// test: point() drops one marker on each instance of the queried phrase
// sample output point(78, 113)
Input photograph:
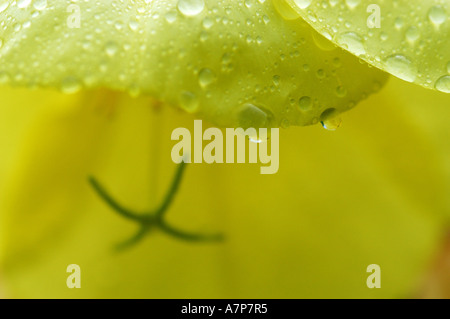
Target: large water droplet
point(40, 4)
point(330, 120)
point(23, 3)
point(191, 7)
point(254, 116)
point(437, 15)
point(303, 4)
point(401, 67)
point(4, 6)
point(333, 124)
point(443, 84)
point(353, 42)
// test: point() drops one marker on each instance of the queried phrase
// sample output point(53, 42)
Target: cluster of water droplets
point(238, 63)
point(412, 42)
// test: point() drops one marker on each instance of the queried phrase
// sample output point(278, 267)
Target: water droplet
point(412, 34)
point(208, 23)
point(353, 42)
point(276, 80)
point(333, 124)
point(40, 4)
point(191, 8)
point(206, 77)
point(23, 3)
point(111, 48)
point(398, 23)
point(330, 120)
point(320, 74)
point(4, 6)
point(254, 116)
point(303, 4)
point(437, 15)
point(305, 103)
point(401, 67)
point(352, 3)
point(70, 85)
point(189, 101)
point(133, 25)
point(443, 84)
point(337, 62)
point(171, 16)
point(341, 91)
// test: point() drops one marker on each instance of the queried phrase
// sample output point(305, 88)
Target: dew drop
point(412, 34)
point(208, 23)
point(401, 67)
point(443, 84)
point(333, 124)
point(191, 8)
point(206, 77)
point(133, 25)
point(341, 91)
point(171, 16)
point(329, 119)
point(398, 23)
point(305, 103)
point(276, 80)
point(4, 6)
point(22, 4)
point(353, 42)
point(352, 3)
point(40, 4)
point(189, 101)
point(70, 85)
point(253, 116)
point(437, 15)
point(303, 4)
point(111, 48)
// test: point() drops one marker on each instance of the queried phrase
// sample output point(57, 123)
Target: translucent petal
point(407, 38)
point(235, 63)
point(374, 191)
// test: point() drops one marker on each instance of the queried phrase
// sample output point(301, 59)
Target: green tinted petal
point(232, 62)
point(409, 39)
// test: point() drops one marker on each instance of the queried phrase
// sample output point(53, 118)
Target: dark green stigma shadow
point(154, 219)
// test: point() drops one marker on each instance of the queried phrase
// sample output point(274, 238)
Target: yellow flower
point(374, 191)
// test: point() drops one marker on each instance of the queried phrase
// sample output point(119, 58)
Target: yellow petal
point(235, 64)
point(374, 191)
point(407, 38)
